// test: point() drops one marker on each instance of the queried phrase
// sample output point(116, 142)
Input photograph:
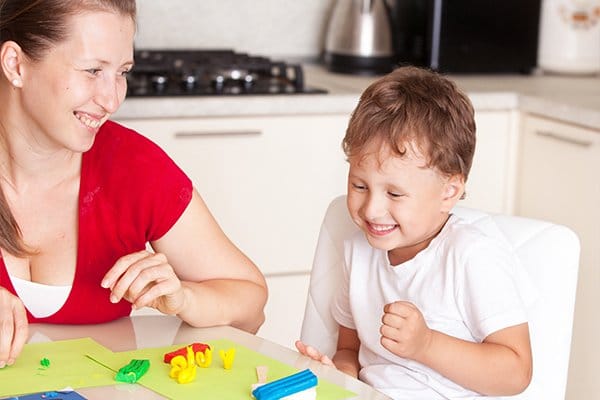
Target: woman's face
point(79, 83)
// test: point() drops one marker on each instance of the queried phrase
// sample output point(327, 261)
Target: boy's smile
point(381, 230)
point(400, 203)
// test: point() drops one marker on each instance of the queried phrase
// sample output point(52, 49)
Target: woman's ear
point(11, 57)
point(454, 188)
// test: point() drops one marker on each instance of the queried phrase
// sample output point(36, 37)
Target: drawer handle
point(552, 135)
point(197, 134)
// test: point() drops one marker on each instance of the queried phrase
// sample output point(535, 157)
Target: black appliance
point(467, 36)
point(212, 72)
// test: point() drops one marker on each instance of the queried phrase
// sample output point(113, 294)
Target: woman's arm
point(222, 286)
point(197, 273)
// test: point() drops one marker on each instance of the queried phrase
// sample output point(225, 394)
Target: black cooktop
point(211, 73)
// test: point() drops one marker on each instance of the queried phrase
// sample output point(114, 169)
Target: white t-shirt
point(465, 283)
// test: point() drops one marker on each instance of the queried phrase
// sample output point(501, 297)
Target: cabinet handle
point(196, 134)
point(559, 137)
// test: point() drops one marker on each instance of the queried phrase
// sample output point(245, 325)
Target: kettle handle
point(367, 6)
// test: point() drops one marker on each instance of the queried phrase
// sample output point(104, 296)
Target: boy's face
point(398, 202)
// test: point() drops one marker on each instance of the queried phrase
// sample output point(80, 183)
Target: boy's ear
point(454, 187)
point(11, 57)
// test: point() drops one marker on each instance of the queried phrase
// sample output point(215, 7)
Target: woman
point(81, 196)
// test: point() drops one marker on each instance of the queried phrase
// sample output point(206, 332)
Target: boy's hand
point(313, 353)
point(404, 331)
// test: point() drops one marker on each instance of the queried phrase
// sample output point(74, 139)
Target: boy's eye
point(359, 187)
point(395, 195)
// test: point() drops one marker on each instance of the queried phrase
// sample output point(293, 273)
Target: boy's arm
point(346, 356)
point(500, 366)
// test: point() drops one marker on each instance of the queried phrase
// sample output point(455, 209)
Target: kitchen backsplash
point(274, 28)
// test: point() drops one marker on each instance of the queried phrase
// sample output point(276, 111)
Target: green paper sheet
point(69, 366)
point(214, 382)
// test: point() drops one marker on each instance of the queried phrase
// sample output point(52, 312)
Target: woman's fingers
point(13, 327)
point(7, 331)
point(137, 267)
point(121, 266)
point(145, 279)
point(21, 332)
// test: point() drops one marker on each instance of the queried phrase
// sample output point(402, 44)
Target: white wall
point(270, 28)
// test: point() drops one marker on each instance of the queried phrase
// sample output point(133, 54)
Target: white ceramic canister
point(569, 40)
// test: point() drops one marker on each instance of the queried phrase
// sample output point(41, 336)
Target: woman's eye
point(395, 195)
point(93, 71)
point(124, 73)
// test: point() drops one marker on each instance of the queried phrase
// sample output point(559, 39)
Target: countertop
point(573, 99)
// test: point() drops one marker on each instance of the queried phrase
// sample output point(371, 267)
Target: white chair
point(549, 252)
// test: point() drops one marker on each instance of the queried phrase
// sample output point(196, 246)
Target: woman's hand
point(14, 328)
point(145, 279)
point(313, 353)
point(404, 331)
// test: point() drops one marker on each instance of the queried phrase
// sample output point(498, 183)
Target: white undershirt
point(41, 300)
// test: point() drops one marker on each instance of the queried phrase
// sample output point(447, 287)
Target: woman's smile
point(89, 121)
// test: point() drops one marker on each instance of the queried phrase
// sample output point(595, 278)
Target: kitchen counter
point(572, 99)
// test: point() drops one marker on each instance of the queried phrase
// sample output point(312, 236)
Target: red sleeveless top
point(130, 193)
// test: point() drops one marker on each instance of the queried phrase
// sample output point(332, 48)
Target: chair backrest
point(549, 253)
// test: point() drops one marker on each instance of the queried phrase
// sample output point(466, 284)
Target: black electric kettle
point(359, 38)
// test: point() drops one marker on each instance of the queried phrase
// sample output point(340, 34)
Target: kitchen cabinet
point(268, 182)
point(491, 183)
point(559, 182)
point(285, 308)
point(492, 179)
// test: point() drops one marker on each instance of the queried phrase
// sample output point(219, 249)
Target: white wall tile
point(262, 27)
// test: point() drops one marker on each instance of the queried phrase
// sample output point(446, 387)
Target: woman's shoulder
point(122, 155)
point(128, 172)
point(117, 146)
point(117, 137)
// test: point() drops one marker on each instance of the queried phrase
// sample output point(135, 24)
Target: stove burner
point(212, 72)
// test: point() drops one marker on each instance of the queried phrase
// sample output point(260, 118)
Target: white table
point(157, 330)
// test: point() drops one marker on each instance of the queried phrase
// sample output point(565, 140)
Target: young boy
point(430, 307)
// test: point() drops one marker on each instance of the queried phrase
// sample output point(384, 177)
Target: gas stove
point(212, 73)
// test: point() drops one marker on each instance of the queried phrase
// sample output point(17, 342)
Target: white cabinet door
point(267, 180)
point(491, 182)
point(285, 308)
point(560, 182)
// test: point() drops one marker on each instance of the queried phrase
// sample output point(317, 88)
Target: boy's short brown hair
point(416, 105)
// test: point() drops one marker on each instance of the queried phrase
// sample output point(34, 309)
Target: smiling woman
point(81, 196)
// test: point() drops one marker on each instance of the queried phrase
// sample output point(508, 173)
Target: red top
point(130, 193)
